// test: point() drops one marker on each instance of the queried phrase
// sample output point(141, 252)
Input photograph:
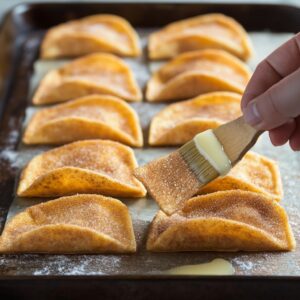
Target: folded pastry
point(255, 173)
point(223, 221)
point(94, 166)
point(92, 74)
point(75, 224)
point(90, 117)
point(214, 31)
point(98, 33)
point(180, 122)
point(198, 72)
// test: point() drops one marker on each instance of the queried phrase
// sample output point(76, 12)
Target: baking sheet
point(142, 210)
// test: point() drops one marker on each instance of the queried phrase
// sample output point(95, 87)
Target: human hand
point(272, 97)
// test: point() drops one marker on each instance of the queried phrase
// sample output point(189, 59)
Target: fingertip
point(280, 135)
point(295, 141)
point(294, 145)
point(295, 137)
point(275, 142)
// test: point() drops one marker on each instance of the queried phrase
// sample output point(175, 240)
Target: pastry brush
point(180, 175)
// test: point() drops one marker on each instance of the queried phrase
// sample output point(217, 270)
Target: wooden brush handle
point(237, 137)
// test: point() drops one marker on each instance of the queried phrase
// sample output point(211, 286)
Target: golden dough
point(255, 173)
point(103, 74)
point(194, 73)
point(214, 31)
point(98, 33)
point(169, 180)
point(91, 117)
point(223, 221)
point(75, 224)
point(93, 166)
point(180, 122)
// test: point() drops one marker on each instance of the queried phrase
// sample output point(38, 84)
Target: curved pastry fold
point(93, 166)
point(75, 224)
point(98, 33)
point(180, 122)
point(223, 221)
point(194, 73)
point(214, 31)
point(103, 74)
point(255, 173)
point(91, 117)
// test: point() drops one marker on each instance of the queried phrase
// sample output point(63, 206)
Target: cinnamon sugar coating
point(191, 74)
point(90, 117)
point(98, 33)
point(213, 31)
point(180, 122)
point(255, 173)
point(223, 221)
point(94, 166)
point(74, 224)
point(169, 181)
point(100, 73)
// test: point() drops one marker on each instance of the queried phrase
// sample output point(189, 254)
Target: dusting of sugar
point(59, 264)
point(243, 265)
point(103, 157)
point(13, 134)
point(169, 181)
point(63, 266)
point(10, 156)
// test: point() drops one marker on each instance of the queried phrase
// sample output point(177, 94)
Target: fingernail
point(251, 114)
point(243, 106)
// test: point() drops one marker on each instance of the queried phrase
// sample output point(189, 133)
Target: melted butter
point(212, 150)
point(217, 266)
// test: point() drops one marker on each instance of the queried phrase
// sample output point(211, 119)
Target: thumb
point(276, 106)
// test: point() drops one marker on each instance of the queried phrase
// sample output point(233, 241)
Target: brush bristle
point(196, 162)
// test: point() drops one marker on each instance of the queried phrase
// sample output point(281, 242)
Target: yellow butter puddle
point(217, 266)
